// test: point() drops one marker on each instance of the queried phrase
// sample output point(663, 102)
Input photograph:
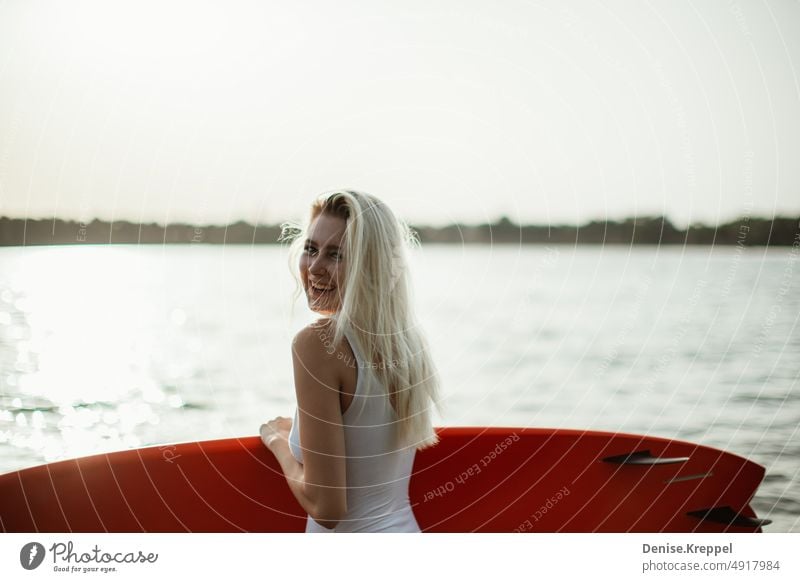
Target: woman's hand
point(276, 429)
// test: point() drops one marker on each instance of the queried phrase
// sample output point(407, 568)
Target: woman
point(363, 375)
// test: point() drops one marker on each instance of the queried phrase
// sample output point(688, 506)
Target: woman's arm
point(319, 484)
point(275, 436)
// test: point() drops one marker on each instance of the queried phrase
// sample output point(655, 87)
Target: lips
point(320, 290)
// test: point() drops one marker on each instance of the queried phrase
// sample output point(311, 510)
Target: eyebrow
point(308, 240)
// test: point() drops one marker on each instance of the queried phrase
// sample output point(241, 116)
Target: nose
point(317, 266)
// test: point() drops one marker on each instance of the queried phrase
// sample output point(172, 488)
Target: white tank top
point(378, 473)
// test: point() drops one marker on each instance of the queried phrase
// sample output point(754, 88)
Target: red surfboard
point(475, 480)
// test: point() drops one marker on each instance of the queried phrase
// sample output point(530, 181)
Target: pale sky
point(545, 111)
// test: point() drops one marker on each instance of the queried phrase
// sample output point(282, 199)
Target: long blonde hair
point(377, 306)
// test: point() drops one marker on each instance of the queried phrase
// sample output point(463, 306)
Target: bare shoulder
point(317, 379)
point(315, 341)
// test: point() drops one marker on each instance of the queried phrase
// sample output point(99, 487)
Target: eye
point(309, 249)
point(336, 255)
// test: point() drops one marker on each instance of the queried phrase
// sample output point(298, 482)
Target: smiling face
point(322, 264)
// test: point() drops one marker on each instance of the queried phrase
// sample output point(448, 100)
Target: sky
point(547, 112)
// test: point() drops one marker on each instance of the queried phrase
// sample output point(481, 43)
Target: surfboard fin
point(728, 516)
point(643, 458)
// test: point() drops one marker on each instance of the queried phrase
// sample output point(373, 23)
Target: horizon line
point(502, 220)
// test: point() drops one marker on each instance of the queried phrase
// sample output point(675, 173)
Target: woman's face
point(322, 264)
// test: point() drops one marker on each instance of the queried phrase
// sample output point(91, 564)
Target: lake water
point(104, 348)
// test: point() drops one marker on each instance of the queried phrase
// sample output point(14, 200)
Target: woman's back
point(378, 473)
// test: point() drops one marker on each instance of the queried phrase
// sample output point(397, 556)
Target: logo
point(31, 555)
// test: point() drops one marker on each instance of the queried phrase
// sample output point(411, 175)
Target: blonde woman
point(364, 378)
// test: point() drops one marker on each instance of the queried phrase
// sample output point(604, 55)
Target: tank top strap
point(348, 333)
point(363, 381)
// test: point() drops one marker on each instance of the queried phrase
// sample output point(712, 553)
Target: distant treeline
point(745, 231)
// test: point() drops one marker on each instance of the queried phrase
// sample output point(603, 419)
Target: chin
point(320, 311)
